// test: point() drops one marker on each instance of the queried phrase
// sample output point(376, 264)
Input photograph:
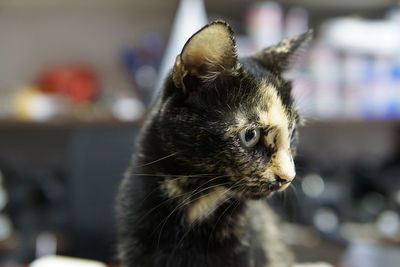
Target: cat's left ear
point(277, 58)
point(207, 54)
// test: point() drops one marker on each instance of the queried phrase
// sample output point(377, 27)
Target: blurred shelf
point(69, 123)
point(356, 5)
point(109, 122)
point(325, 6)
point(154, 5)
point(138, 10)
point(353, 122)
point(87, 4)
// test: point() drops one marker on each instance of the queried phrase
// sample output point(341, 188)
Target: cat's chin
point(261, 190)
point(255, 195)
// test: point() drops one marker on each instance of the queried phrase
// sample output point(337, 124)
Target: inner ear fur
point(207, 54)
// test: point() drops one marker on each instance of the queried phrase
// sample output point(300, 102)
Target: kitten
point(219, 140)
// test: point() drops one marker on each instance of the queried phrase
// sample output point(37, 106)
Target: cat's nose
point(284, 179)
point(284, 166)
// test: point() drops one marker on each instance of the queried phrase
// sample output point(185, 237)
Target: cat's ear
point(207, 54)
point(277, 58)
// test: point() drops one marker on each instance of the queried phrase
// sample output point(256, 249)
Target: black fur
point(186, 138)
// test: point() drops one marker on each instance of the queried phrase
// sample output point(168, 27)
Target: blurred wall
point(35, 33)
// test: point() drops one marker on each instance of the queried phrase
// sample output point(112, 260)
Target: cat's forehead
point(254, 68)
point(267, 108)
point(271, 110)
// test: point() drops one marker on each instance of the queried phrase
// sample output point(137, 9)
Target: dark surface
point(63, 179)
point(80, 164)
point(96, 160)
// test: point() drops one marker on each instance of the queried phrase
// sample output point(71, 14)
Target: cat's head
point(230, 116)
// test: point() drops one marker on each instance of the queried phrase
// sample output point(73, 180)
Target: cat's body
point(217, 142)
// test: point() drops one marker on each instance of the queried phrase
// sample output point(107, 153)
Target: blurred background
point(77, 77)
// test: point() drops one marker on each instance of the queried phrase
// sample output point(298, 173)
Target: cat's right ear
point(207, 54)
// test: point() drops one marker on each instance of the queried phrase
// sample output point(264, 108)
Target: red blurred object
point(77, 82)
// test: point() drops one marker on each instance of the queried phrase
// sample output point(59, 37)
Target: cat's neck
point(196, 195)
point(181, 208)
point(189, 197)
point(205, 216)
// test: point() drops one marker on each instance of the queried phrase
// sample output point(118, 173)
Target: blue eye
point(250, 137)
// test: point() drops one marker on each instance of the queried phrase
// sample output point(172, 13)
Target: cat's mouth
point(261, 189)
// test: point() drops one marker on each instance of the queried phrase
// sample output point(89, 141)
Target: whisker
point(188, 231)
point(294, 189)
point(183, 203)
point(168, 199)
point(216, 223)
point(182, 175)
point(236, 202)
point(195, 191)
point(177, 178)
point(173, 175)
point(158, 160)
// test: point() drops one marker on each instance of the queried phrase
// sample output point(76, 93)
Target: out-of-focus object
point(326, 80)
point(354, 85)
point(128, 109)
point(394, 90)
point(388, 223)
point(313, 185)
point(394, 13)
point(190, 17)
point(326, 220)
point(77, 82)
point(141, 62)
point(370, 254)
point(46, 244)
point(3, 193)
point(145, 76)
point(265, 23)
point(356, 35)
point(60, 261)
point(29, 103)
point(296, 21)
point(378, 88)
point(6, 227)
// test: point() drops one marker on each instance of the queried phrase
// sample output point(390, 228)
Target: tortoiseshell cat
point(219, 140)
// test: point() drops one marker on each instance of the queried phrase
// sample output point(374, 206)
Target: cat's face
point(231, 116)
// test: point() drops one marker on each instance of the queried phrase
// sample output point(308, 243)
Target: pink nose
point(286, 178)
point(284, 166)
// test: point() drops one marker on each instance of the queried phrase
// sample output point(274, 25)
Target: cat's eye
point(250, 137)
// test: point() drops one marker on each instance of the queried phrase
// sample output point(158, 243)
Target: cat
point(219, 140)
